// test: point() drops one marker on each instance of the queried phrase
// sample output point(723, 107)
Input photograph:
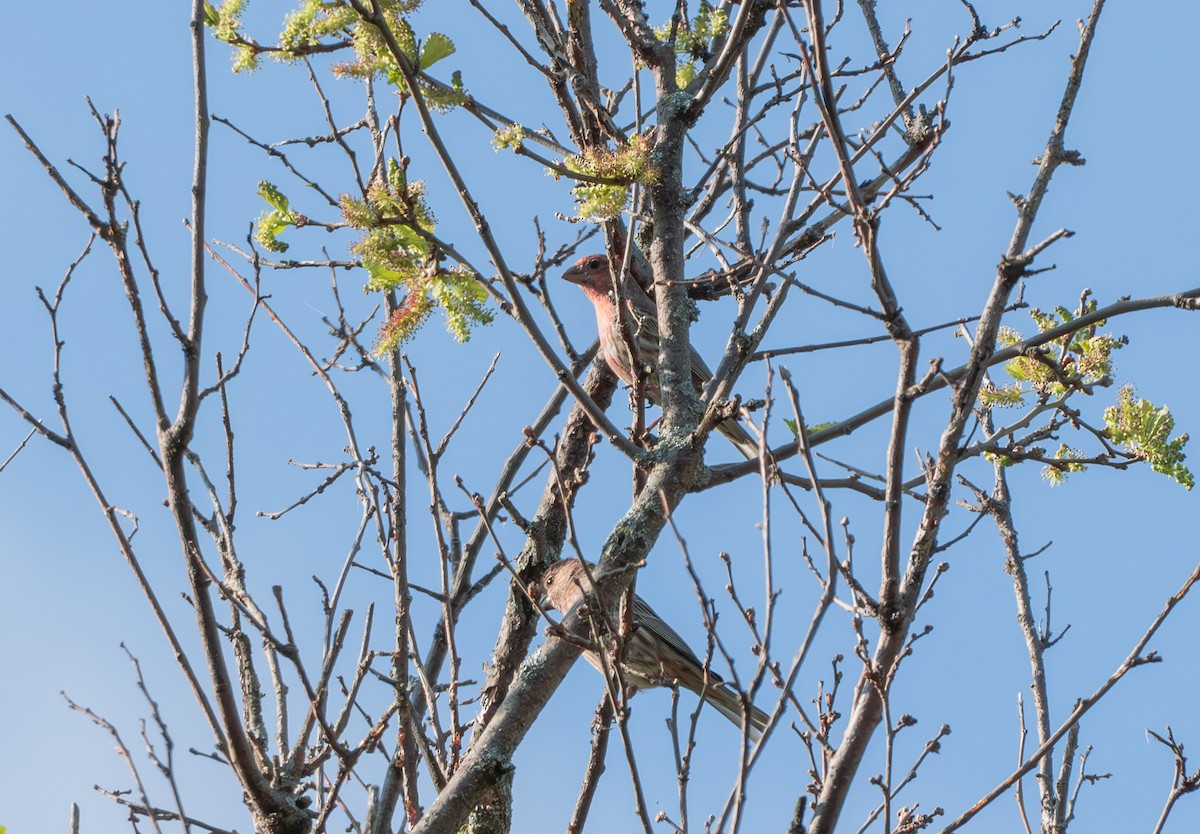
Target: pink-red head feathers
point(591, 272)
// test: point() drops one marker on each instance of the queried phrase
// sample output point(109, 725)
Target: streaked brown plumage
point(655, 654)
point(593, 276)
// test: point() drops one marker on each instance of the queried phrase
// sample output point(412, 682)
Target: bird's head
point(562, 584)
point(592, 273)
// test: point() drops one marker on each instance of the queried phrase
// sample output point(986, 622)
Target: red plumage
point(594, 276)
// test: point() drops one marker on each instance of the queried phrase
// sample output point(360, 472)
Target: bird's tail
point(727, 702)
point(739, 437)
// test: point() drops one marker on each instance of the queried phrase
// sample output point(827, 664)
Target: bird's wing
point(644, 316)
point(645, 617)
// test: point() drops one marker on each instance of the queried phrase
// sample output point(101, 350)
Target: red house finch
point(654, 653)
point(592, 274)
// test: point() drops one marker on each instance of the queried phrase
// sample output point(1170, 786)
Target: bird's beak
point(536, 591)
point(576, 274)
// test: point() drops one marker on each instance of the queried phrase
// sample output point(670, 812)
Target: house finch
point(592, 274)
point(654, 653)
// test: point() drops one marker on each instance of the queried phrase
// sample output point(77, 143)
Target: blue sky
point(1122, 542)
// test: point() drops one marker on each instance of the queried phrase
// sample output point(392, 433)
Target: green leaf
point(409, 238)
point(381, 274)
point(271, 223)
point(212, 18)
point(274, 197)
point(815, 427)
point(395, 174)
point(436, 47)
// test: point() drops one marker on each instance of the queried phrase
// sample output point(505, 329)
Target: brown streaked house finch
point(655, 654)
point(593, 276)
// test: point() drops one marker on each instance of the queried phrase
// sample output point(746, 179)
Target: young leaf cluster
point(693, 41)
point(508, 137)
point(275, 219)
point(373, 58)
point(397, 253)
point(1076, 362)
point(1144, 430)
point(626, 165)
point(455, 291)
point(1001, 396)
point(397, 221)
point(1084, 358)
point(313, 22)
point(462, 300)
point(1066, 462)
point(318, 22)
point(395, 248)
point(226, 23)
